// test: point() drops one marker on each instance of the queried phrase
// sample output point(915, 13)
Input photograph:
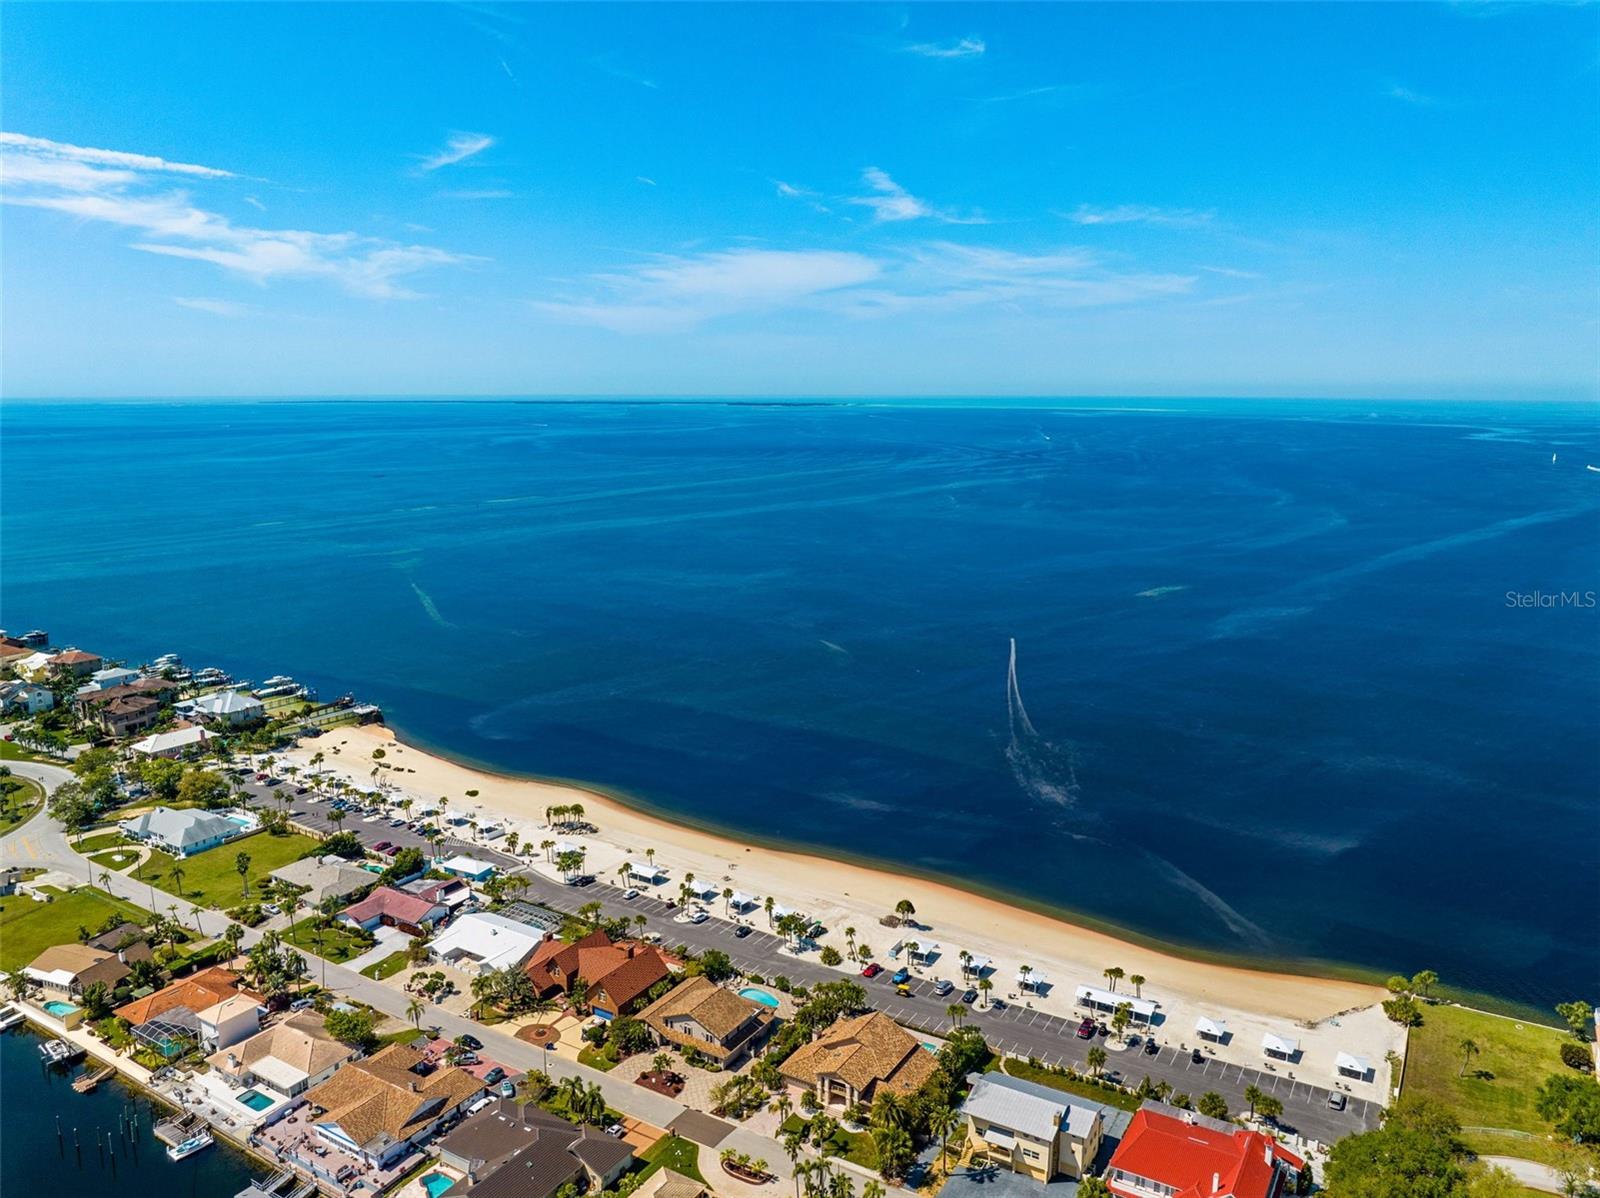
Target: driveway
point(390, 940)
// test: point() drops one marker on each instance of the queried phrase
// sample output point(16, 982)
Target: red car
point(1086, 1030)
point(872, 971)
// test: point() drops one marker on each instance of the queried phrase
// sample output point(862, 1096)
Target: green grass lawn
point(339, 943)
point(855, 1146)
point(21, 804)
point(1083, 1089)
point(211, 879)
point(114, 859)
point(386, 968)
point(1498, 1087)
point(96, 841)
point(28, 928)
point(675, 1153)
point(597, 1058)
point(11, 751)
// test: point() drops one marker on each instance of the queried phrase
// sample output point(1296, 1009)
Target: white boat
point(10, 1017)
point(196, 1143)
point(58, 1052)
point(1596, 469)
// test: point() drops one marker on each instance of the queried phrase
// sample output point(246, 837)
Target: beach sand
point(842, 893)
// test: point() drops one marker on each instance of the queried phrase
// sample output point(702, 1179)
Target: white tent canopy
point(1216, 1029)
point(978, 963)
point(743, 901)
point(1352, 1065)
point(703, 890)
point(569, 846)
point(1275, 1045)
point(1032, 978)
point(645, 871)
point(1097, 999)
point(923, 952)
point(779, 911)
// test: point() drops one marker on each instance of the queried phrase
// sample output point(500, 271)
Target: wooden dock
point(89, 1081)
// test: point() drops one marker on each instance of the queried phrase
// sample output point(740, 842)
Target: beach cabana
point(779, 911)
point(1033, 980)
point(1349, 1065)
point(1214, 1030)
point(646, 872)
point(919, 953)
point(1280, 1048)
point(703, 890)
point(743, 902)
point(976, 965)
point(569, 846)
point(1106, 1002)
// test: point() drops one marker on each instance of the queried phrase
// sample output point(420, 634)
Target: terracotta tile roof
point(396, 904)
point(380, 1101)
point(73, 657)
point(1188, 1156)
point(555, 962)
point(868, 1051)
point(631, 978)
point(196, 992)
point(721, 1012)
point(621, 972)
point(299, 1042)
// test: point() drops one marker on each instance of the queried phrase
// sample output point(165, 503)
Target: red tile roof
point(623, 971)
point(1198, 1161)
point(196, 992)
point(396, 904)
point(73, 657)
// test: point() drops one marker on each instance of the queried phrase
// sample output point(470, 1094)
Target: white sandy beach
point(1326, 1015)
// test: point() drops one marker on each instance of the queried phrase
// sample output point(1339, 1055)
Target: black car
point(969, 997)
point(1198, 1057)
point(740, 932)
point(1151, 1048)
point(468, 1041)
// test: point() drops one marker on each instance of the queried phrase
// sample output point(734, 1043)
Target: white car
point(373, 818)
point(630, 893)
point(699, 916)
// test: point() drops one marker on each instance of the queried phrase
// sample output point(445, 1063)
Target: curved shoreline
point(843, 889)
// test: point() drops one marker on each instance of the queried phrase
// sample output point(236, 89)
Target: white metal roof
point(165, 742)
point(924, 950)
point(1346, 1062)
point(1274, 1043)
point(1035, 1111)
point(463, 864)
point(645, 870)
point(1211, 1027)
point(979, 963)
point(494, 941)
point(741, 899)
point(1095, 996)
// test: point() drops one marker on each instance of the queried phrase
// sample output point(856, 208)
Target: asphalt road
point(1015, 1028)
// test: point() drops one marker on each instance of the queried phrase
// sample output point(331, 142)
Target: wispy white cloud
point(681, 291)
point(645, 179)
point(40, 150)
point(1229, 272)
point(478, 193)
point(891, 202)
point(215, 307)
point(1398, 91)
point(609, 65)
point(1126, 214)
point(132, 191)
point(674, 292)
point(255, 203)
point(966, 47)
point(459, 148)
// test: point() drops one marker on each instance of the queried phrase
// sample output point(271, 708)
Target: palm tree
point(242, 864)
point(177, 878)
point(984, 986)
point(727, 901)
point(1113, 975)
point(889, 1110)
point(1024, 975)
point(942, 1122)
point(1097, 1059)
point(767, 906)
point(233, 936)
point(850, 940)
point(1136, 980)
point(957, 1013)
point(1252, 1095)
point(873, 1189)
point(904, 910)
point(966, 962)
point(1469, 1049)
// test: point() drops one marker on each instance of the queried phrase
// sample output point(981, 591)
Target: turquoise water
point(1276, 699)
point(754, 994)
point(255, 1100)
point(59, 1009)
point(436, 1184)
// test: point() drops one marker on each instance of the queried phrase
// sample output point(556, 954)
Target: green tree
point(1269, 1107)
point(715, 965)
point(1423, 982)
point(1417, 1153)
point(1252, 1096)
point(1097, 1060)
point(904, 910)
point(72, 806)
point(1572, 1104)
point(354, 1028)
point(1113, 975)
point(1576, 1016)
point(203, 788)
point(830, 956)
point(241, 863)
point(1212, 1105)
point(896, 1150)
point(1469, 1049)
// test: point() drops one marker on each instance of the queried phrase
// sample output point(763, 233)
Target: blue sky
point(274, 199)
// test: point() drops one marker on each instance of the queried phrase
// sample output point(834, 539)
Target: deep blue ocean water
point(1275, 699)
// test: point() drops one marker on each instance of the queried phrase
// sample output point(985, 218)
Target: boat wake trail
point(1251, 933)
point(1044, 771)
point(427, 605)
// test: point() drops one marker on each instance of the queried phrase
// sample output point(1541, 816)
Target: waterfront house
point(467, 867)
point(325, 877)
point(380, 1108)
point(35, 666)
point(75, 662)
point(185, 832)
point(393, 908)
point(617, 976)
point(13, 653)
point(288, 1058)
point(109, 677)
point(481, 941)
point(701, 1015)
point(856, 1059)
point(25, 698)
point(229, 1021)
point(229, 709)
point(511, 1151)
point(171, 744)
point(1168, 1152)
point(67, 970)
point(1031, 1129)
point(126, 715)
point(196, 993)
point(86, 702)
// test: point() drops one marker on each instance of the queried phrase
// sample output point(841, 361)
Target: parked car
point(380, 846)
point(1086, 1030)
point(1198, 1057)
point(1336, 1101)
point(631, 893)
point(615, 1130)
point(699, 917)
point(494, 1075)
point(469, 1041)
point(508, 1089)
point(872, 971)
point(300, 1004)
point(740, 932)
point(273, 909)
point(943, 986)
point(397, 823)
point(901, 975)
point(300, 790)
point(1151, 1048)
point(902, 988)
point(969, 996)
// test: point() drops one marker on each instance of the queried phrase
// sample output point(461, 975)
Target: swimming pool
point(255, 1100)
point(933, 1048)
point(754, 994)
point(58, 1008)
point(436, 1184)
